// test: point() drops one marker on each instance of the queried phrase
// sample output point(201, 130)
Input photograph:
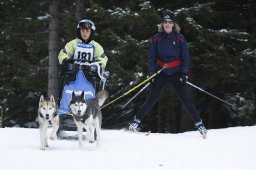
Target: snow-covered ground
point(224, 149)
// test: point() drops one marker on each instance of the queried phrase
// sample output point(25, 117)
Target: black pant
point(181, 89)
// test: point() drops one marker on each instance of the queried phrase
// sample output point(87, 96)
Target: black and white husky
point(87, 114)
point(47, 114)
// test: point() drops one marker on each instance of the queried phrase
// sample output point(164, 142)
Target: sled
point(78, 76)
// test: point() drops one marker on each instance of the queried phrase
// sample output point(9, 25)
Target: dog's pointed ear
point(82, 95)
point(52, 99)
point(73, 94)
point(41, 98)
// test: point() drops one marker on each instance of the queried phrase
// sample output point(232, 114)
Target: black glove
point(64, 61)
point(67, 60)
point(183, 78)
point(93, 70)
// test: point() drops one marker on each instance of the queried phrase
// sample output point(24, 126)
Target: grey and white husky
point(87, 114)
point(47, 114)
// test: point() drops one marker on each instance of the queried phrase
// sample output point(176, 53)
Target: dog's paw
point(53, 137)
point(42, 148)
point(91, 141)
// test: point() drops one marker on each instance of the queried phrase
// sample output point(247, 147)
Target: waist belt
point(171, 64)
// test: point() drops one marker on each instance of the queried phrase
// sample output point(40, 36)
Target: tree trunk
point(80, 9)
point(53, 78)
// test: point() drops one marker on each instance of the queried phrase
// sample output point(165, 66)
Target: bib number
point(84, 52)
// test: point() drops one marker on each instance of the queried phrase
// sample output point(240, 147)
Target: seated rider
point(83, 48)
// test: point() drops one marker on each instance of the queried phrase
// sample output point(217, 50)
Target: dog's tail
point(102, 96)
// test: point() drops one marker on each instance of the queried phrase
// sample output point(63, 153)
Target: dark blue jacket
point(168, 48)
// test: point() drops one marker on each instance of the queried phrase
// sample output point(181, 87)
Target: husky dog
point(87, 114)
point(47, 114)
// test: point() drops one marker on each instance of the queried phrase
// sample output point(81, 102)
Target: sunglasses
point(168, 21)
point(85, 25)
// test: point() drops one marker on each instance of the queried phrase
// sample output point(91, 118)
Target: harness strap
point(169, 65)
point(54, 115)
point(78, 118)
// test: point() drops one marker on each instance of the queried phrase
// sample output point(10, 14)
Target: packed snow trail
point(223, 149)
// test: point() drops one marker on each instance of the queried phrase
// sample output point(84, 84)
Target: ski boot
point(201, 128)
point(134, 125)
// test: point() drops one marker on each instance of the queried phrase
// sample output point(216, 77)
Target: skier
point(168, 49)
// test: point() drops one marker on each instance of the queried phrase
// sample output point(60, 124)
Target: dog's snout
point(47, 116)
point(79, 112)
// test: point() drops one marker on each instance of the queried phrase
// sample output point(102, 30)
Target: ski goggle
point(86, 24)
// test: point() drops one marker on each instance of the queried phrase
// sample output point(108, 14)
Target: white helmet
point(85, 24)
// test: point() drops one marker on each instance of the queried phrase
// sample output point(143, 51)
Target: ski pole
point(210, 94)
point(1, 116)
point(143, 88)
point(129, 91)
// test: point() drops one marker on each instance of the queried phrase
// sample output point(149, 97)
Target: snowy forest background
point(221, 35)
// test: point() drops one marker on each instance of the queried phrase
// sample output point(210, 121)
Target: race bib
point(84, 52)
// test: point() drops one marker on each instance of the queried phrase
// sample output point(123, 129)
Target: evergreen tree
point(221, 36)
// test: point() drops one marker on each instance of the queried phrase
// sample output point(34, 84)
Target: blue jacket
point(168, 48)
